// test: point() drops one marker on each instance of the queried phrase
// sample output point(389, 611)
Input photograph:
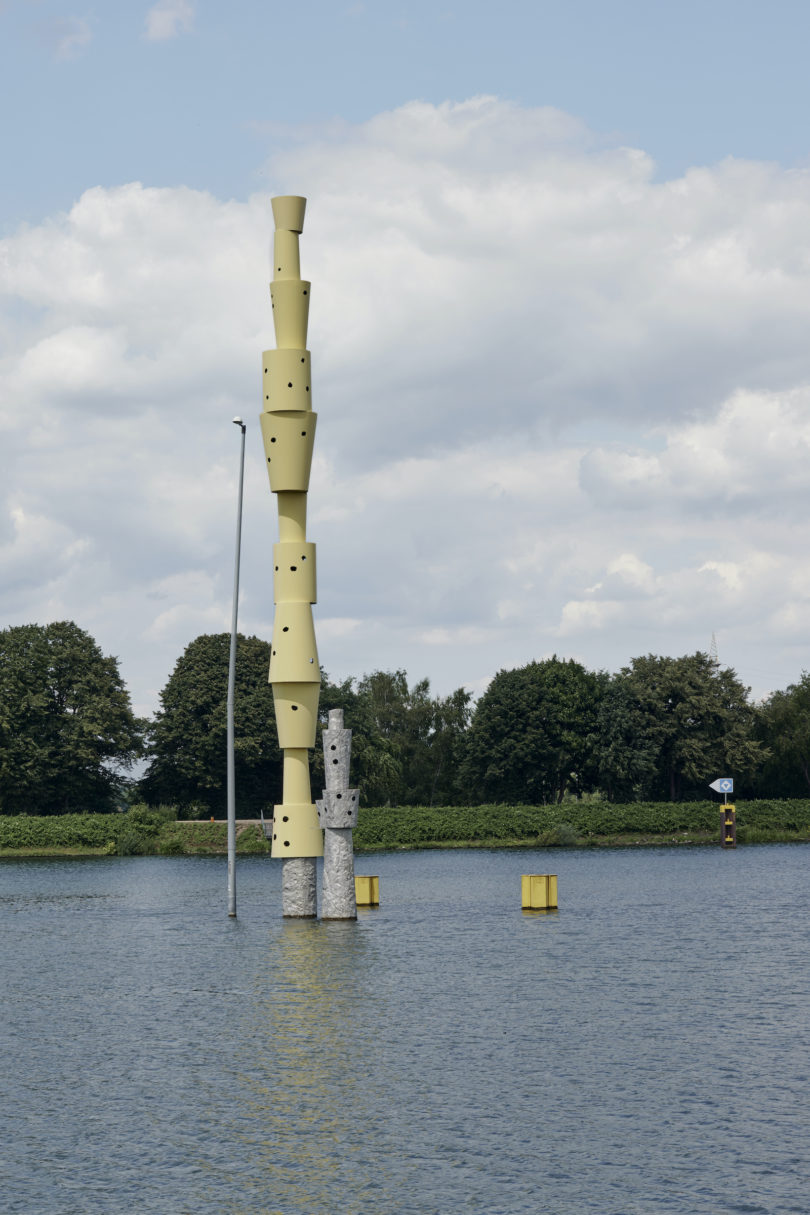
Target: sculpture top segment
point(288, 212)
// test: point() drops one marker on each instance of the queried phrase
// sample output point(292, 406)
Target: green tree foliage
point(406, 745)
point(532, 734)
point(784, 726)
point(697, 719)
point(624, 752)
point(188, 738)
point(67, 731)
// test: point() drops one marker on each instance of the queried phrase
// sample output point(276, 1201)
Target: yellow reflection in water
point(311, 1074)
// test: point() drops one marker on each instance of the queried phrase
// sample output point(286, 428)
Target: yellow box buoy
point(538, 891)
point(367, 891)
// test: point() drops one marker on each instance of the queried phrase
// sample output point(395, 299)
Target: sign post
point(728, 828)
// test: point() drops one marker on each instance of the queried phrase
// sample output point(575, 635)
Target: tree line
point(659, 729)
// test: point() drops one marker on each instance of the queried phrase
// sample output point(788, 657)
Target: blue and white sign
point(723, 784)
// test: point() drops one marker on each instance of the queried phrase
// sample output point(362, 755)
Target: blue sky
point(561, 284)
point(99, 102)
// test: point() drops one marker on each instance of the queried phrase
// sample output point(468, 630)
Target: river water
point(642, 1050)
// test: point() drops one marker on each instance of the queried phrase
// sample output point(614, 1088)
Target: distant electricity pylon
point(713, 651)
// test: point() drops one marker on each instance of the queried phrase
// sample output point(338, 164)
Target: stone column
point(337, 814)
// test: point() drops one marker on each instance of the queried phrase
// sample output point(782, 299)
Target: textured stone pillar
point(337, 814)
point(298, 888)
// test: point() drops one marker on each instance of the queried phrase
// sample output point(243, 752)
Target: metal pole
point(231, 683)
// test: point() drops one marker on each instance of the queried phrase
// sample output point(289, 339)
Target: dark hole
point(285, 818)
point(286, 843)
point(275, 837)
point(267, 398)
point(307, 387)
point(303, 360)
point(293, 568)
point(286, 629)
point(279, 269)
point(289, 383)
point(303, 432)
point(274, 653)
point(334, 761)
point(276, 567)
point(334, 747)
point(339, 796)
point(294, 708)
point(268, 459)
point(305, 293)
point(352, 797)
point(303, 556)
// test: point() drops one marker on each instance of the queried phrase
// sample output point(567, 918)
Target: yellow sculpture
point(288, 430)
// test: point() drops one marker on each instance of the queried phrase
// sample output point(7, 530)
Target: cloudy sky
point(560, 257)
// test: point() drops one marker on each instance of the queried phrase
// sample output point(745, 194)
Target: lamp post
point(231, 683)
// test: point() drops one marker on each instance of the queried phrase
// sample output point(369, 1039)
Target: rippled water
point(643, 1050)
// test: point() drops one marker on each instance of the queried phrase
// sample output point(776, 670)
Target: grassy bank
point(155, 831)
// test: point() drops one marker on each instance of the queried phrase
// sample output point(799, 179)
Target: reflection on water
point(309, 1073)
point(641, 1050)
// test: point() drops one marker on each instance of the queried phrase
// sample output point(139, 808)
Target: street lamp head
point(237, 422)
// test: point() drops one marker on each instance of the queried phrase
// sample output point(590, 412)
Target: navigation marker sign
point(724, 784)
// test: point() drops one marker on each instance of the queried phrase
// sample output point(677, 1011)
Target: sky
point(560, 266)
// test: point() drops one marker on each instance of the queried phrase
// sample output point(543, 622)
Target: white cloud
point(560, 405)
point(168, 18)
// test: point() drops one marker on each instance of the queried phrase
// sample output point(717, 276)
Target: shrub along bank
point(154, 831)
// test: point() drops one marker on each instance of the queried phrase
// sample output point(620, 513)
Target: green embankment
point(144, 831)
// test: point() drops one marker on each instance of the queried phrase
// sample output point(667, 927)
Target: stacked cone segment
point(288, 431)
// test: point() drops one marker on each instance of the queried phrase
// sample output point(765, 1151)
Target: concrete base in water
point(298, 890)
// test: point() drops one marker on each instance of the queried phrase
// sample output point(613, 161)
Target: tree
point(188, 738)
point(625, 754)
point(406, 745)
point(785, 728)
point(532, 733)
point(67, 730)
point(697, 718)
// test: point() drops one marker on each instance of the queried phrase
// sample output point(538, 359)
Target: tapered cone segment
point(292, 516)
point(288, 442)
point(288, 212)
point(286, 380)
point(286, 255)
point(294, 573)
point(293, 653)
point(297, 789)
point(296, 832)
point(290, 312)
point(296, 707)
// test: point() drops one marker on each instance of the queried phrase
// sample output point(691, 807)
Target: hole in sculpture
point(286, 629)
point(289, 383)
point(334, 761)
point(303, 432)
point(275, 837)
point(285, 818)
point(293, 568)
point(286, 843)
point(339, 796)
point(303, 556)
point(305, 293)
point(312, 660)
point(333, 747)
point(276, 568)
point(273, 439)
point(294, 708)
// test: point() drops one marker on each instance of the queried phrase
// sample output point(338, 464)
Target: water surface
point(643, 1050)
